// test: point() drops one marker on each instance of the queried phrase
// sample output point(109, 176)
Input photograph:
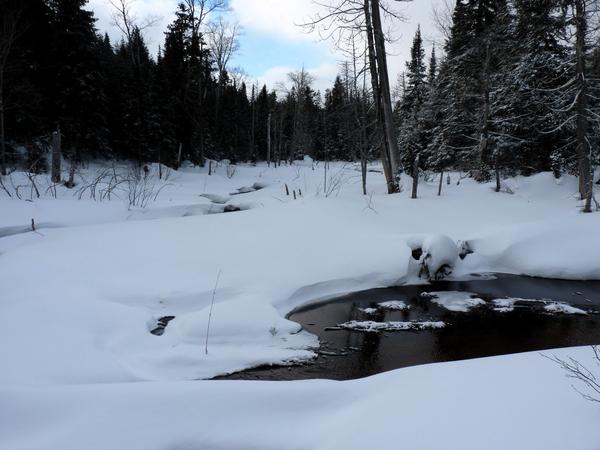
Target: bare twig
point(212, 304)
point(576, 370)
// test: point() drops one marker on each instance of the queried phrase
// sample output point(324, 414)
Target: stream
point(486, 329)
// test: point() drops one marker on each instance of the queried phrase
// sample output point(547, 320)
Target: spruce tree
point(77, 99)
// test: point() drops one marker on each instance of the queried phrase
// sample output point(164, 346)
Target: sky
point(273, 44)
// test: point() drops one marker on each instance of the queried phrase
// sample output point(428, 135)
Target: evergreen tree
point(78, 103)
point(336, 138)
point(186, 72)
point(412, 135)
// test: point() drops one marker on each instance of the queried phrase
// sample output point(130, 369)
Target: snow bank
point(424, 407)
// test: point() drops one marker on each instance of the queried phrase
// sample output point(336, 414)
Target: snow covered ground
point(82, 293)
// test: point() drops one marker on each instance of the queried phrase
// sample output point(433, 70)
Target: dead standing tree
point(223, 42)
point(343, 18)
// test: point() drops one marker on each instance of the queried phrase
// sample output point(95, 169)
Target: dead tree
point(298, 83)
point(223, 43)
point(363, 17)
point(129, 24)
point(385, 91)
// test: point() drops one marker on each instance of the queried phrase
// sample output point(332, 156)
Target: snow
point(563, 308)
point(81, 295)
point(504, 304)
point(219, 199)
point(508, 305)
point(397, 305)
point(455, 301)
point(512, 402)
point(439, 255)
point(370, 326)
point(368, 310)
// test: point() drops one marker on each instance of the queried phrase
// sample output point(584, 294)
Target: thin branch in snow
point(212, 304)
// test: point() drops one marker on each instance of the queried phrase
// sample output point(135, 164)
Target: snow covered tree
point(474, 53)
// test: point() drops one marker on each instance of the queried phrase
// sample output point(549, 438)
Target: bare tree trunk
point(159, 164)
point(388, 170)
point(71, 182)
point(10, 30)
point(363, 173)
point(585, 178)
point(485, 123)
point(441, 183)
point(415, 175)
point(56, 156)
point(252, 130)
point(2, 135)
point(360, 116)
point(178, 162)
point(325, 176)
point(384, 86)
point(497, 170)
point(269, 140)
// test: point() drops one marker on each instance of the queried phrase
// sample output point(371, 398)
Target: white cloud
point(279, 19)
point(276, 17)
point(162, 10)
point(324, 75)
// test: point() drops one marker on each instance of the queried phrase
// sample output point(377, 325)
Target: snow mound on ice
point(550, 306)
point(454, 300)
point(370, 326)
point(504, 304)
point(395, 305)
point(563, 308)
point(218, 199)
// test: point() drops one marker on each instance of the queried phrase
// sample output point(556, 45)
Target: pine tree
point(336, 144)
point(186, 73)
point(466, 83)
point(530, 136)
point(412, 135)
point(79, 104)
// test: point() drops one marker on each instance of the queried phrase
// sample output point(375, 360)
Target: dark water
point(481, 332)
